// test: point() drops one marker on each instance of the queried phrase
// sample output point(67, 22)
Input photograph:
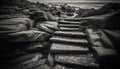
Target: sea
point(87, 5)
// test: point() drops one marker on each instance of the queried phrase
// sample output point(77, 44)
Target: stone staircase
point(70, 48)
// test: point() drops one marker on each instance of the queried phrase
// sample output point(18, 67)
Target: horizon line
point(78, 1)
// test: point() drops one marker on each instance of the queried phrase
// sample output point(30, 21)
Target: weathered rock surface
point(58, 66)
point(78, 59)
point(68, 29)
point(69, 22)
point(47, 26)
point(26, 36)
point(68, 48)
point(69, 40)
point(66, 25)
point(15, 25)
point(71, 34)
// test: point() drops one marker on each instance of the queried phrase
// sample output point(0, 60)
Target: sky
point(93, 1)
point(85, 4)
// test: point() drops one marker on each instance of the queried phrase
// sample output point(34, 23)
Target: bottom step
point(77, 59)
point(62, 66)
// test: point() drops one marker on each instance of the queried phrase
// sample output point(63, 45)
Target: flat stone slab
point(107, 55)
point(103, 52)
point(69, 22)
point(71, 34)
point(76, 19)
point(61, 66)
point(68, 48)
point(69, 25)
point(77, 59)
point(69, 40)
point(69, 29)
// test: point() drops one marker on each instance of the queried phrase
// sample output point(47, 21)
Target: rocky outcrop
point(107, 8)
point(22, 46)
point(104, 49)
point(42, 16)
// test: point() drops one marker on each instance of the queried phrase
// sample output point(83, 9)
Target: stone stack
point(70, 48)
point(22, 47)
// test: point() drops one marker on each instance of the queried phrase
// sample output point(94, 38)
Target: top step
point(76, 19)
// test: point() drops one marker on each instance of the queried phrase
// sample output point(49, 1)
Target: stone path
point(70, 48)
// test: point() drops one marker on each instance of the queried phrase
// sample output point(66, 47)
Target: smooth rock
point(69, 29)
point(69, 26)
point(69, 22)
point(69, 40)
point(26, 36)
point(76, 34)
point(15, 25)
point(68, 48)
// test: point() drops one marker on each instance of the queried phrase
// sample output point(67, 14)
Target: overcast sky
point(86, 4)
point(75, 0)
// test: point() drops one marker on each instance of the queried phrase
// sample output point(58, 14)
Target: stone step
point(69, 22)
point(68, 48)
point(77, 59)
point(69, 29)
point(69, 25)
point(60, 39)
point(58, 66)
point(63, 66)
point(76, 19)
point(76, 34)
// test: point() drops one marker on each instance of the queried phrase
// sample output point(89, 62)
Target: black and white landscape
point(59, 34)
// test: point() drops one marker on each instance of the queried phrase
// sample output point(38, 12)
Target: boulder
point(99, 39)
point(25, 36)
point(14, 25)
point(114, 37)
point(42, 16)
point(48, 26)
point(107, 55)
